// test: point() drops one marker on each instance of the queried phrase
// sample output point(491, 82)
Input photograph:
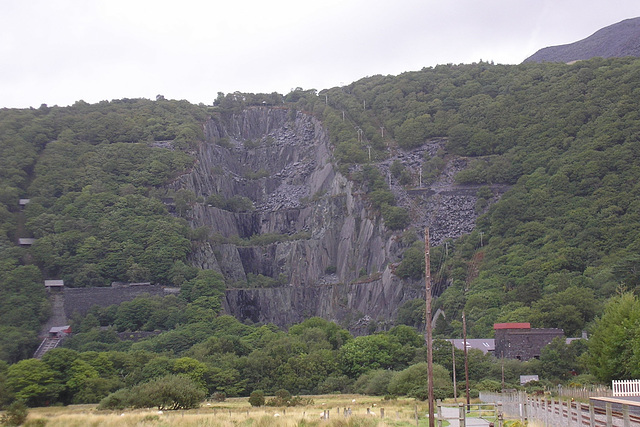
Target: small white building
point(54, 285)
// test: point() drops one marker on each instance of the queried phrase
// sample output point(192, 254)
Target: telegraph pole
point(502, 366)
point(453, 359)
point(466, 360)
point(427, 269)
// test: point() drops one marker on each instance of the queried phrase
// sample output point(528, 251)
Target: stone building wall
point(523, 344)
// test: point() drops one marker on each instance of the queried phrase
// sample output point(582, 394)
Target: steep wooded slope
point(325, 191)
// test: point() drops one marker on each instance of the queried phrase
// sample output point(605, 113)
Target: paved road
point(452, 414)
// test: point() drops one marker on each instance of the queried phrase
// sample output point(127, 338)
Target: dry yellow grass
point(238, 412)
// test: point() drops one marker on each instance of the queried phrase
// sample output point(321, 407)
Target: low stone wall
point(80, 300)
point(354, 306)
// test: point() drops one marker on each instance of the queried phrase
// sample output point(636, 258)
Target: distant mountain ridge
point(615, 41)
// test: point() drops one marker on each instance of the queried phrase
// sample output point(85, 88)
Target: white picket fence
point(625, 388)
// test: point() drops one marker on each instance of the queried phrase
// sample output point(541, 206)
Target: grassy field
point(365, 411)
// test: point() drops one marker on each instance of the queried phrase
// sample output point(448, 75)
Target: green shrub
point(489, 385)
point(374, 383)
point(239, 204)
point(282, 398)
point(256, 398)
point(117, 400)
point(216, 200)
point(219, 396)
point(413, 381)
point(412, 264)
point(170, 392)
point(381, 197)
point(16, 414)
point(395, 217)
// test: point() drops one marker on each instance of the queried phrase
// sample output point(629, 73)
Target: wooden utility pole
point(427, 269)
point(466, 360)
point(453, 360)
point(502, 367)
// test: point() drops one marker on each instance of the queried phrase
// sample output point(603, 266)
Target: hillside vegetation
point(566, 137)
point(92, 173)
point(559, 243)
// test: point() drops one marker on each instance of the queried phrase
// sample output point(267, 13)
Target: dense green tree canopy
point(564, 138)
point(613, 345)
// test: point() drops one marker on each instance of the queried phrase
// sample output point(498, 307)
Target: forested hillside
point(92, 174)
point(566, 137)
point(565, 140)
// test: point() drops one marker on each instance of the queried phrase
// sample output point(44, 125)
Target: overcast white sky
point(60, 51)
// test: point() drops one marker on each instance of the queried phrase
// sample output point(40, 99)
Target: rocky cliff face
point(330, 253)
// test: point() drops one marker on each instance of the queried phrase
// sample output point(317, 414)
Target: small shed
point(23, 202)
point(59, 331)
point(26, 241)
point(54, 285)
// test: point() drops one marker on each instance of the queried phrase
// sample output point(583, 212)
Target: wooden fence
point(582, 392)
point(623, 388)
point(549, 411)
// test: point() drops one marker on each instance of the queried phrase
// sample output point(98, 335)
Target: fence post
point(381, 412)
point(625, 415)
point(440, 414)
point(592, 415)
point(461, 415)
point(570, 414)
point(609, 415)
point(500, 416)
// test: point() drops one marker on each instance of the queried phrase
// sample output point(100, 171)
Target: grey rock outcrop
point(312, 230)
point(615, 41)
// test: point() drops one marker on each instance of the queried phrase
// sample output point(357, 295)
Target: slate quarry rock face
point(312, 229)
